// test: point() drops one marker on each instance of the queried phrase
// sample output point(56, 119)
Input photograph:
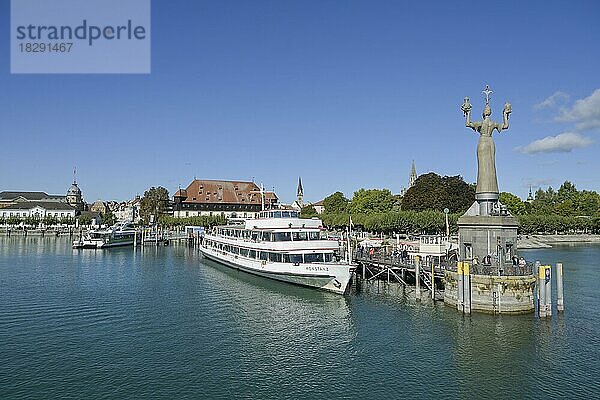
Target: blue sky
point(342, 93)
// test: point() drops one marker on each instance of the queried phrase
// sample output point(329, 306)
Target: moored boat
point(122, 234)
point(281, 246)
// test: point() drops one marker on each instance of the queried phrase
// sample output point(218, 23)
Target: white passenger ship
point(279, 245)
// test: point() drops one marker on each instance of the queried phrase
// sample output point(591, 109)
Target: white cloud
point(564, 142)
point(552, 101)
point(585, 113)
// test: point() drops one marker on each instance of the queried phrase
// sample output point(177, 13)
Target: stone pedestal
point(480, 236)
point(494, 294)
point(488, 242)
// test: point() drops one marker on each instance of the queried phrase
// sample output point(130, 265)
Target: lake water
point(164, 323)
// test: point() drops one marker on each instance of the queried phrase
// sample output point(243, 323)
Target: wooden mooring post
point(560, 302)
point(418, 278)
point(544, 273)
point(432, 281)
point(548, 288)
point(460, 301)
point(467, 287)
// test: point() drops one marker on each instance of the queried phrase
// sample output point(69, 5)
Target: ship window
point(313, 257)
point(236, 250)
point(283, 236)
point(300, 236)
point(255, 235)
point(314, 235)
point(285, 214)
point(264, 255)
point(328, 257)
point(275, 257)
point(277, 214)
point(294, 214)
point(244, 252)
point(252, 254)
point(266, 236)
point(296, 258)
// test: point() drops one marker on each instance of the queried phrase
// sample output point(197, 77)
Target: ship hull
point(329, 277)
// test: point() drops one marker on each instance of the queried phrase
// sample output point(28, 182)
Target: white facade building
point(38, 210)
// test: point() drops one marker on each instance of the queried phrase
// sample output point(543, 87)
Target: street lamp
point(446, 211)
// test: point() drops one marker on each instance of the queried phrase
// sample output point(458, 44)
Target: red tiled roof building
point(232, 199)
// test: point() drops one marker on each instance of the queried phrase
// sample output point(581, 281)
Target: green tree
point(154, 202)
point(204, 220)
point(433, 192)
point(50, 220)
point(308, 211)
point(587, 203)
point(108, 218)
point(515, 205)
point(68, 220)
point(371, 200)
point(567, 191)
point(336, 203)
point(13, 220)
point(32, 221)
point(85, 219)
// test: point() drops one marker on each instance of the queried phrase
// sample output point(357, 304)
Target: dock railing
point(507, 269)
point(494, 270)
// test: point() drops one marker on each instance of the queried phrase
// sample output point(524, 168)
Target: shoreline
point(548, 241)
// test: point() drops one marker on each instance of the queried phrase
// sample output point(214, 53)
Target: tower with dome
point(74, 197)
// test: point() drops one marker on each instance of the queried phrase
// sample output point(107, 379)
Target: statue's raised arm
point(506, 112)
point(466, 109)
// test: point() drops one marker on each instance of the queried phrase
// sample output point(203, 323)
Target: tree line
point(420, 210)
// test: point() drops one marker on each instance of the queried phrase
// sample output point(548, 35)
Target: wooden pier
point(410, 272)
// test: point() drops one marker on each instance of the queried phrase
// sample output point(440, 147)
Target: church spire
point(530, 197)
point(300, 191)
point(413, 175)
